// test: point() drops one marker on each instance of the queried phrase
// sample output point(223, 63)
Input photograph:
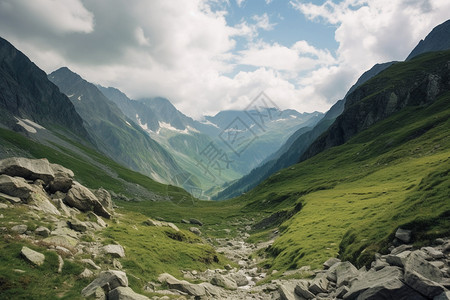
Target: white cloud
point(184, 50)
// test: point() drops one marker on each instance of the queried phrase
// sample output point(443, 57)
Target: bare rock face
point(83, 199)
point(30, 169)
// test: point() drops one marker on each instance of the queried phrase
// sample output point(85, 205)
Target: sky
point(212, 55)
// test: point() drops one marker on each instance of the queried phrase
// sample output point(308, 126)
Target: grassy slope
point(356, 195)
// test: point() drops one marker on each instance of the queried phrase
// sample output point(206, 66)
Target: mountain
point(375, 100)
point(115, 134)
point(28, 100)
point(382, 165)
point(296, 145)
point(438, 39)
point(190, 140)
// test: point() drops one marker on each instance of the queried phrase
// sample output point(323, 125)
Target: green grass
point(356, 195)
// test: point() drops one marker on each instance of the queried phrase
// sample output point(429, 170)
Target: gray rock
point(114, 250)
point(39, 200)
point(434, 253)
point(107, 280)
point(91, 263)
point(151, 222)
point(287, 291)
point(19, 229)
point(319, 285)
point(401, 249)
point(63, 179)
point(42, 231)
point(239, 278)
point(301, 289)
point(61, 240)
point(86, 273)
point(446, 248)
point(60, 264)
point(182, 285)
point(195, 230)
point(223, 281)
point(77, 225)
point(344, 272)
point(16, 187)
point(438, 264)
point(330, 262)
point(10, 199)
point(381, 284)
point(105, 198)
point(195, 221)
point(397, 260)
point(422, 276)
point(403, 235)
point(31, 169)
point(210, 289)
point(32, 256)
point(341, 291)
point(83, 199)
point(125, 293)
point(3, 205)
point(185, 221)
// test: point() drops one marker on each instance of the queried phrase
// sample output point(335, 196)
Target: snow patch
point(128, 123)
point(70, 96)
point(28, 125)
point(79, 97)
point(208, 122)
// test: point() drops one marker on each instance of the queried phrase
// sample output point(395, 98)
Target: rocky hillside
point(437, 40)
point(418, 82)
point(26, 95)
point(115, 135)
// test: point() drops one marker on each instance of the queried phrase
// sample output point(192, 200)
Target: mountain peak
point(438, 39)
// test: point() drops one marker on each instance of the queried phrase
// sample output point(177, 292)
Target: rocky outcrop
point(107, 281)
point(83, 199)
point(30, 169)
point(63, 179)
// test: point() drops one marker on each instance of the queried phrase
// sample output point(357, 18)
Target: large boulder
point(302, 290)
point(83, 199)
point(32, 256)
point(423, 276)
point(16, 187)
point(114, 250)
point(39, 200)
point(223, 281)
point(342, 273)
point(63, 179)
point(31, 169)
point(386, 282)
point(182, 285)
point(106, 280)
point(125, 293)
point(105, 198)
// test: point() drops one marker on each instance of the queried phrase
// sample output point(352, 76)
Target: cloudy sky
point(210, 55)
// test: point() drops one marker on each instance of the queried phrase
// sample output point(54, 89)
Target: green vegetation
point(356, 195)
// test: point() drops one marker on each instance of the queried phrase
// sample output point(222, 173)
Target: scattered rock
point(60, 263)
point(114, 250)
point(435, 254)
point(195, 230)
point(3, 205)
point(77, 225)
point(184, 221)
point(30, 169)
point(319, 285)
point(107, 280)
point(61, 240)
point(223, 281)
point(86, 273)
point(32, 256)
point(239, 278)
point(91, 263)
point(42, 231)
point(195, 221)
point(302, 289)
point(403, 235)
point(422, 276)
point(83, 199)
point(397, 260)
point(151, 222)
point(374, 284)
point(125, 293)
point(330, 262)
point(19, 229)
point(344, 272)
point(182, 285)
